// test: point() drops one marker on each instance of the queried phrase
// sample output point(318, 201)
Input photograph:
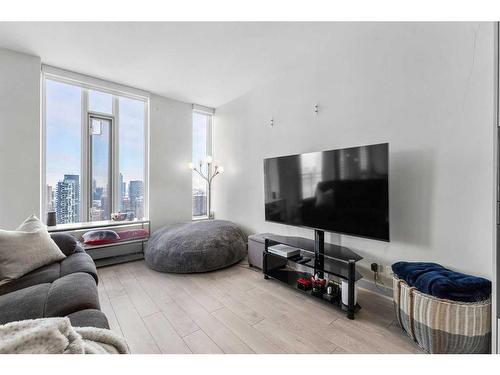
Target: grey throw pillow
point(25, 249)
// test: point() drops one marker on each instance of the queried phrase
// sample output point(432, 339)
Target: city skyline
point(65, 200)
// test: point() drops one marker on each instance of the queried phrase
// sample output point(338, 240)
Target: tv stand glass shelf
point(316, 257)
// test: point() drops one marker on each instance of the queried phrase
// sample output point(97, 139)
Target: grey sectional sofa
point(66, 288)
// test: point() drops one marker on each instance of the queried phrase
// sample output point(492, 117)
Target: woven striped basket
point(442, 326)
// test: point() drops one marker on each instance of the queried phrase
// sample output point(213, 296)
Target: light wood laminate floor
point(236, 311)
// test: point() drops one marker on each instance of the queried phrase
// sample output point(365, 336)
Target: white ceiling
point(204, 63)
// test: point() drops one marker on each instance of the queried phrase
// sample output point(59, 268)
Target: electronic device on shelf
point(302, 260)
point(284, 251)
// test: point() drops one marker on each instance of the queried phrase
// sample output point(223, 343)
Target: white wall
point(170, 149)
point(19, 137)
point(427, 89)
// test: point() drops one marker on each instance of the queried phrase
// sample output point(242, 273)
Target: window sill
point(197, 218)
point(95, 224)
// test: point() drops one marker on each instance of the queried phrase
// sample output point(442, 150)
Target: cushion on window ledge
point(132, 234)
point(100, 237)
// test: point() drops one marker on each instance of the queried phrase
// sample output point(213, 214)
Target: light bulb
point(208, 160)
point(190, 165)
point(220, 169)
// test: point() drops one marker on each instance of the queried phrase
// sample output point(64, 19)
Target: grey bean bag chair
point(197, 246)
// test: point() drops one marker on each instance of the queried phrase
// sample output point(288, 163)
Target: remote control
point(304, 260)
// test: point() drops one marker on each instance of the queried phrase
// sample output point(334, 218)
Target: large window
point(63, 130)
point(94, 152)
point(202, 148)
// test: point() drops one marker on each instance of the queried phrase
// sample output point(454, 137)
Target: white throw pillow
point(25, 249)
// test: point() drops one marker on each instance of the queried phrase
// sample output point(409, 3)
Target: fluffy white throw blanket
point(58, 336)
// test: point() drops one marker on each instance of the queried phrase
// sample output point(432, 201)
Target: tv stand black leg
point(264, 259)
point(351, 284)
point(319, 252)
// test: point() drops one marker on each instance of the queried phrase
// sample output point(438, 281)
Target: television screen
point(344, 191)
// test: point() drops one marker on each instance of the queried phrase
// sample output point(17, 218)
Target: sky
point(63, 133)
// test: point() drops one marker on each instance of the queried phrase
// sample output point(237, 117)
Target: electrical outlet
point(381, 269)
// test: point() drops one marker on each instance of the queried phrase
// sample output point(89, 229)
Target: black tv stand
point(319, 251)
point(324, 257)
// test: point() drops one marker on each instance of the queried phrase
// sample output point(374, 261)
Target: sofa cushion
point(27, 303)
point(75, 297)
point(42, 275)
point(67, 243)
point(89, 318)
point(71, 293)
point(26, 249)
point(78, 262)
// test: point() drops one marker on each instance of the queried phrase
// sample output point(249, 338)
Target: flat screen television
point(344, 191)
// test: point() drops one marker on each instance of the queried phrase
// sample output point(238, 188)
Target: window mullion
point(115, 157)
point(43, 157)
point(146, 159)
point(209, 197)
point(84, 183)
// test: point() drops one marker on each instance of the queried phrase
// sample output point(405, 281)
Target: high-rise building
point(50, 198)
point(68, 199)
point(106, 214)
point(122, 191)
point(136, 196)
point(199, 202)
point(98, 193)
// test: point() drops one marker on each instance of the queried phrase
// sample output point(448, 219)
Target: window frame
point(209, 112)
point(87, 83)
point(111, 163)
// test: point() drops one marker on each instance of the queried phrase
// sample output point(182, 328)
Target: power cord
point(376, 279)
point(379, 284)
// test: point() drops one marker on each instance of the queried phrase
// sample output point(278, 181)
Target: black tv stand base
point(333, 260)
